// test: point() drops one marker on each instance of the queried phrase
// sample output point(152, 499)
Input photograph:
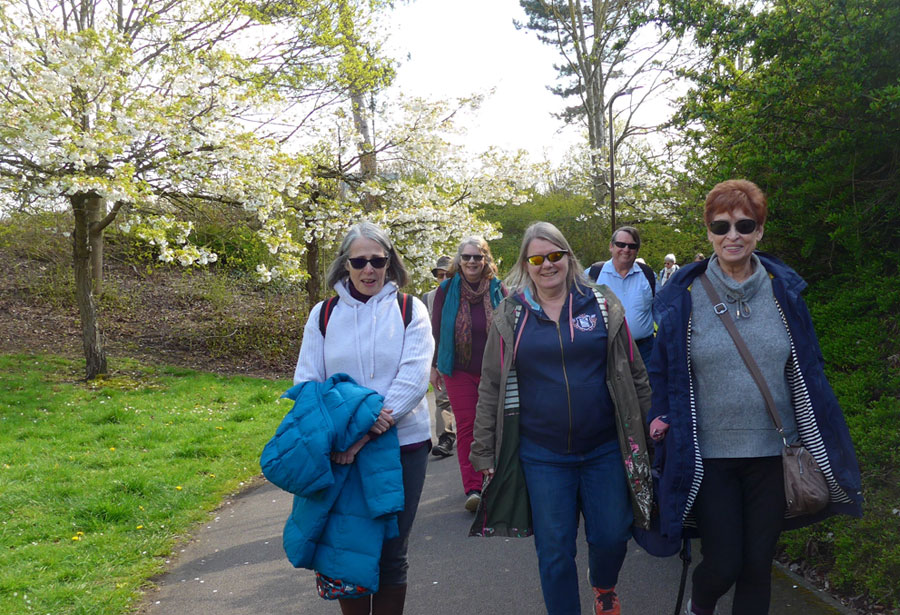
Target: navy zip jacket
point(820, 422)
point(565, 402)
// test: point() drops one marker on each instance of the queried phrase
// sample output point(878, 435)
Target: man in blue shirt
point(631, 284)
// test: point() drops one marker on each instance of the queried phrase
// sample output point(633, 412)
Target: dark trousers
point(739, 512)
point(394, 564)
point(645, 347)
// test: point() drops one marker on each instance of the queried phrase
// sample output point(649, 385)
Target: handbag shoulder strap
point(722, 311)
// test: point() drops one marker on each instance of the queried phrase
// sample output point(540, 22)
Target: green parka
point(505, 509)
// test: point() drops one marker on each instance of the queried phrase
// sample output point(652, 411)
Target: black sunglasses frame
point(548, 256)
point(360, 262)
point(723, 227)
point(467, 257)
point(624, 244)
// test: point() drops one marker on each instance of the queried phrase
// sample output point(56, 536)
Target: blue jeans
point(394, 564)
point(559, 487)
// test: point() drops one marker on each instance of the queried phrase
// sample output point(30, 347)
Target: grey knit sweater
point(732, 419)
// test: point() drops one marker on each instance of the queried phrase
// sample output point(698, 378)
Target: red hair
point(736, 195)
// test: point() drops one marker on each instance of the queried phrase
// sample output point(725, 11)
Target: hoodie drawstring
point(519, 336)
point(630, 342)
point(359, 361)
point(372, 340)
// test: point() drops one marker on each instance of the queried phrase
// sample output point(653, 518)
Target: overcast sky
point(456, 48)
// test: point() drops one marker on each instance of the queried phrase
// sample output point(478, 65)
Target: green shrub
point(52, 284)
point(856, 320)
point(41, 236)
point(237, 246)
point(271, 330)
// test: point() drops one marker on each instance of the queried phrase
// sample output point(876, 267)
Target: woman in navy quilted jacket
point(366, 337)
point(718, 450)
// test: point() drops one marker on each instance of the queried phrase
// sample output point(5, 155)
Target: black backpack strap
point(406, 308)
point(325, 313)
point(404, 301)
point(595, 271)
point(651, 277)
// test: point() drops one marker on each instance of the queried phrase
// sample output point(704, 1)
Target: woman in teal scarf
point(463, 308)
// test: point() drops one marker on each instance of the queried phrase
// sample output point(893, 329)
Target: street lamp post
point(612, 158)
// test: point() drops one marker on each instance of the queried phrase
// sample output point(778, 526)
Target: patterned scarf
point(463, 334)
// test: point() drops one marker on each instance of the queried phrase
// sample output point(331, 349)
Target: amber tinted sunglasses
point(538, 259)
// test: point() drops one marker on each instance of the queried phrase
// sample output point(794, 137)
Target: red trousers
point(462, 389)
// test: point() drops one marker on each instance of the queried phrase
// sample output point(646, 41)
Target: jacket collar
point(578, 300)
point(781, 274)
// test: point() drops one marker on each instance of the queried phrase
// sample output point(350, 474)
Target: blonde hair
point(518, 279)
point(490, 268)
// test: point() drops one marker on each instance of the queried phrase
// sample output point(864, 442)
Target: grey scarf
point(737, 294)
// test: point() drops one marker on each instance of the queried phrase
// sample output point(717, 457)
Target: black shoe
point(444, 447)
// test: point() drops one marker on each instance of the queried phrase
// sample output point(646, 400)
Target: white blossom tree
point(637, 180)
point(608, 49)
point(153, 105)
point(427, 191)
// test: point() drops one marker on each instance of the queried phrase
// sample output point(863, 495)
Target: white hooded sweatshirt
point(368, 342)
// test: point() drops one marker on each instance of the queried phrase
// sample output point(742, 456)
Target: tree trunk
point(596, 139)
point(314, 283)
point(96, 211)
point(92, 339)
point(591, 71)
point(367, 160)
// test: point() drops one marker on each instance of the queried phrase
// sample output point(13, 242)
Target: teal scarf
point(446, 346)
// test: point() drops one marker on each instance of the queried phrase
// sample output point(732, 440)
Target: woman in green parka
point(560, 422)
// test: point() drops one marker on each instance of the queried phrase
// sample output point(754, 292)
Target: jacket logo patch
point(586, 322)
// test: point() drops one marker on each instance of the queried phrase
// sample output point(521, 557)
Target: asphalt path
point(235, 565)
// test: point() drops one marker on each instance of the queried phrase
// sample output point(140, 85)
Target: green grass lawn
point(98, 481)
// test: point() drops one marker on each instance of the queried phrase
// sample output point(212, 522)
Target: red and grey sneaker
point(606, 602)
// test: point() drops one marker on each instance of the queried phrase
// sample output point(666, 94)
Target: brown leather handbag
point(805, 488)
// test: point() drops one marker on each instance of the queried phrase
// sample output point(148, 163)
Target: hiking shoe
point(444, 447)
point(606, 602)
point(688, 610)
point(473, 501)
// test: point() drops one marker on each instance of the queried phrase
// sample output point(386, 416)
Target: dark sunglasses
point(360, 262)
point(721, 227)
point(623, 245)
point(476, 257)
point(538, 259)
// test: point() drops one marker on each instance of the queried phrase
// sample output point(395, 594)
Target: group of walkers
point(570, 390)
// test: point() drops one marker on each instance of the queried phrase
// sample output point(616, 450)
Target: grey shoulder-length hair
point(518, 279)
point(396, 271)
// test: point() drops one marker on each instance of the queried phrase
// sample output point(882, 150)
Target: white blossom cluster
point(427, 189)
point(145, 118)
point(157, 118)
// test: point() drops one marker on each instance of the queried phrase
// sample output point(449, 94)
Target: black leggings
point(394, 563)
point(739, 511)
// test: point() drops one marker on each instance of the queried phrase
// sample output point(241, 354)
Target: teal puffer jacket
point(342, 514)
